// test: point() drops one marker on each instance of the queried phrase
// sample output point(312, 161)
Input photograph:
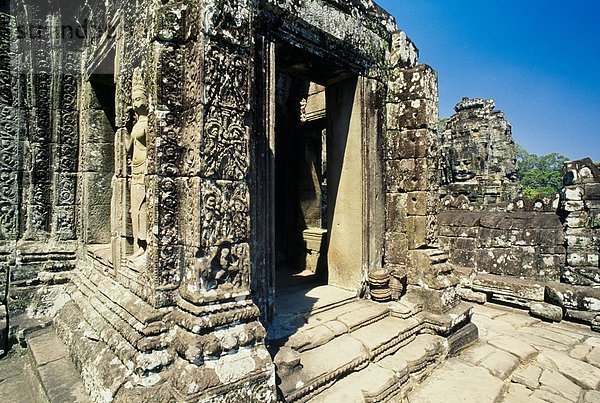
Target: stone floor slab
point(558, 384)
point(477, 353)
point(371, 381)
point(490, 311)
point(583, 374)
point(501, 364)
point(592, 396)
point(539, 342)
point(46, 347)
point(594, 357)
point(18, 384)
point(580, 351)
point(493, 325)
point(62, 383)
point(518, 321)
point(517, 394)
point(510, 344)
point(549, 333)
point(445, 385)
point(528, 377)
point(548, 396)
point(592, 341)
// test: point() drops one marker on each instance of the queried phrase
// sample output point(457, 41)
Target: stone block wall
point(412, 172)
point(580, 213)
point(525, 245)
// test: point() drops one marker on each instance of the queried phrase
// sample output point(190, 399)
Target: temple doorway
point(317, 182)
point(300, 182)
point(318, 175)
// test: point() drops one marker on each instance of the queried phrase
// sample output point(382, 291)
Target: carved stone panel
point(191, 142)
point(37, 220)
point(226, 268)
point(8, 221)
point(8, 120)
point(226, 73)
point(168, 150)
point(225, 212)
point(163, 204)
point(40, 162)
point(224, 148)
point(228, 19)
point(9, 154)
point(169, 78)
point(190, 211)
point(68, 93)
point(65, 222)
point(66, 187)
point(169, 23)
point(193, 54)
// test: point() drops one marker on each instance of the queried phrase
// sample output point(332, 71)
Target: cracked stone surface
point(518, 359)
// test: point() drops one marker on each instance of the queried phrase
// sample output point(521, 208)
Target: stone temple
point(235, 200)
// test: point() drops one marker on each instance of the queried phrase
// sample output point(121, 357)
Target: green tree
point(540, 175)
point(442, 122)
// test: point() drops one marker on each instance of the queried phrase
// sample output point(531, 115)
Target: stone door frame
point(372, 94)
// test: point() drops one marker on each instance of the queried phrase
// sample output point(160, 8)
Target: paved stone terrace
point(519, 359)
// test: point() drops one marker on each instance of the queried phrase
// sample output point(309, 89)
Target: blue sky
point(539, 59)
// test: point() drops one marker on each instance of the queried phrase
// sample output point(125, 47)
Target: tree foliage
point(540, 175)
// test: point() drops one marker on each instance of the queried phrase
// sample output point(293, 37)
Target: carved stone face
point(463, 169)
point(140, 105)
point(512, 175)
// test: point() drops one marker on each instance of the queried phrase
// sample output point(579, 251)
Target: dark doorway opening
point(318, 177)
point(300, 182)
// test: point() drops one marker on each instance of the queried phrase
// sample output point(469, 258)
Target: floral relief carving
point(66, 190)
point(226, 77)
point(8, 188)
point(228, 19)
point(225, 212)
point(225, 145)
point(8, 220)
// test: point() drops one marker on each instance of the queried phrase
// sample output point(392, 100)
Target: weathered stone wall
point(182, 323)
point(184, 320)
point(479, 156)
point(525, 245)
point(38, 158)
point(580, 213)
point(9, 167)
point(412, 174)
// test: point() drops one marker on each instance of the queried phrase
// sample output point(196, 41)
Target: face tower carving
point(480, 156)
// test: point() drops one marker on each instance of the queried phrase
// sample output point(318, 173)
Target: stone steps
point(388, 379)
point(324, 327)
point(54, 369)
point(101, 369)
point(109, 332)
point(362, 344)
